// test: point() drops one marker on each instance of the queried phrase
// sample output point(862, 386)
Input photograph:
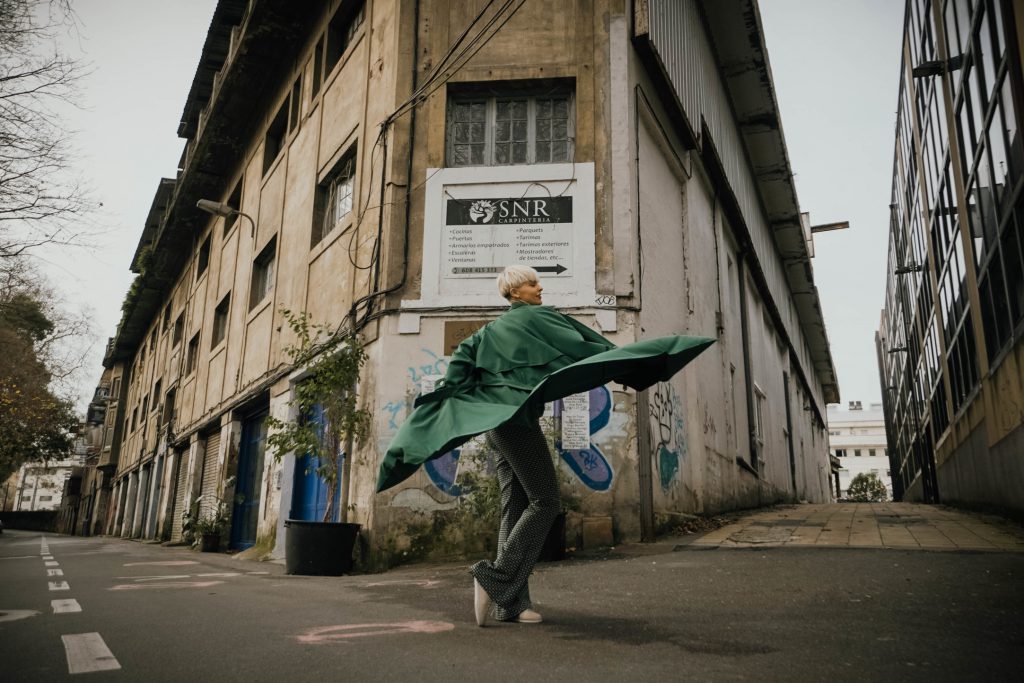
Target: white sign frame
point(574, 180)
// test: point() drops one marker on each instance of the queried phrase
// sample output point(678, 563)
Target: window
point(166, 322)
point(235, 202)
point(871, 452)
point(295, 105)
point(192, 357)
point(145, 406)
point(333, 201)
point(203, 260)
point(179, 329)
point(841, 452)
point(45, 499)
point(135, 417)
point(318, 67)
point(156, 392)
point(856, 452)
point(152, 340)
point(273, 143)
point(115, 388)
point(220, 321)
point(512, 127)
point(341, 31)
point(263, 273)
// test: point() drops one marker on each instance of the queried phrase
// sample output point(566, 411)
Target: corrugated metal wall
point(678, 37)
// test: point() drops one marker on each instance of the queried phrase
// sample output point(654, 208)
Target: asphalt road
point(647, 613)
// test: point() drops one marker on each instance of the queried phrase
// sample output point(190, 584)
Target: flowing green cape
point(510, 368)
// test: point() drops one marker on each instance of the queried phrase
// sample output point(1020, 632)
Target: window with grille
point(263, 273)
point(488, 129)
point(334, 197)
point(220, 321)
point(192, 357)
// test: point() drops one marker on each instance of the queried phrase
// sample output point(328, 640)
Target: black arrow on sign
point(557, 269)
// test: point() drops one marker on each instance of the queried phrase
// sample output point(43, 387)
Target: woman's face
point(528, 292)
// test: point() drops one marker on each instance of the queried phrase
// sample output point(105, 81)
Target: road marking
point(422, 583)
point(156, 577)
point(59, 586)
point(219, 575)
point(19, 557)
point(55, 572)
point(47, 557)
point(65, 606)
point(170, 563)
point(176, 584)
point(330, 634)
point(15, 614)
point(52, 563)
point(255, 573)
point(87, 652)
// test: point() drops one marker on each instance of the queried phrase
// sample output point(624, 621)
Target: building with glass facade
point(950, 349)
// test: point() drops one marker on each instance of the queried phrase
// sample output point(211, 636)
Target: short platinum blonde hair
point(515, 276)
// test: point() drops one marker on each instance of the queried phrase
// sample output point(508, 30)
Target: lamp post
point(224, 210)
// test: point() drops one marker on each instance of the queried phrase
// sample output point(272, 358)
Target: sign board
point(576, 421)
point(478, 220)
point(458, 331)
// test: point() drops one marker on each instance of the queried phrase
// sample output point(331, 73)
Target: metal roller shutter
point(210, 471)
point(179, 496)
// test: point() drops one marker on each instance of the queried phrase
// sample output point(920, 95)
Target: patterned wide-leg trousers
point(529, 505)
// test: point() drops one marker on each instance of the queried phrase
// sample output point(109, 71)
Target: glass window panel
point(1016, 153)
point(544, 109)
point(543, 129)
point(501, 155)
point(561, 109)
point(501, 131)
point(478, 111)
point(1000, 166)
point(519, 153)
point(1000, 45)
point(543, 150)
point(560, 130)
point(461, 132)
point(519, 109)
point(977, 99)
point(986, 197)
point(477, 132)
point(985, 55)
point(560, 151)
point(477, 155)
point(519, 130)
point(952, 39)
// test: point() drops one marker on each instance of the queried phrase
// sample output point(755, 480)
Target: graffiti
point(442, 472)
point(393, 408)
point(667, 432)
point(437, 365)
point(331, 634)
point(709, 422)
point(589, 464)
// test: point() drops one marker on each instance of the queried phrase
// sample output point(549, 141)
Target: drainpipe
point(741, 269)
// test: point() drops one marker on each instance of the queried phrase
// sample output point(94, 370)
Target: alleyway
point(747, 602)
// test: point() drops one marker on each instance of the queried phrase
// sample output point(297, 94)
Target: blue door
point(245, 514)
point(309, 490)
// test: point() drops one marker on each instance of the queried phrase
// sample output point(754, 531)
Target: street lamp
point(224, 210)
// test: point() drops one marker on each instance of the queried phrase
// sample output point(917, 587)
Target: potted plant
point(209, 527)
point(332, 363)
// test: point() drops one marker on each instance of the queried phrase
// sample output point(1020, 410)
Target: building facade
point(375, 164)
point(857, 438)
point(950, 345)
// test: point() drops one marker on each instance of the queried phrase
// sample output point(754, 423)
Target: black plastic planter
point(319, 548)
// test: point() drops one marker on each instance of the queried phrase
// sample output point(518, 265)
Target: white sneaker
point(481, 603)
point(528, 616)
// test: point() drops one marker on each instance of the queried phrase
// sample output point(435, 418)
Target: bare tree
point(41, 202)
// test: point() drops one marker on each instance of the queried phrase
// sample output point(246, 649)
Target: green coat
point(510, 368)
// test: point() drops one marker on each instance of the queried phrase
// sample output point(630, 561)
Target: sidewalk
point(903, 526)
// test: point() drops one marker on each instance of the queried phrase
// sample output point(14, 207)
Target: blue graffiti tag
point(442, 471)
point(438, 365)
point(589, 464)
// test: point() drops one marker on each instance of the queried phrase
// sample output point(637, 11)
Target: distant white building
point(857, 438)
point(41, 485)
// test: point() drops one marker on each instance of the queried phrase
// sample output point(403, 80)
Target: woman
point(498, 381)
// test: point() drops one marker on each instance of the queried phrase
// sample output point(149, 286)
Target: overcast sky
point(836, 70)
